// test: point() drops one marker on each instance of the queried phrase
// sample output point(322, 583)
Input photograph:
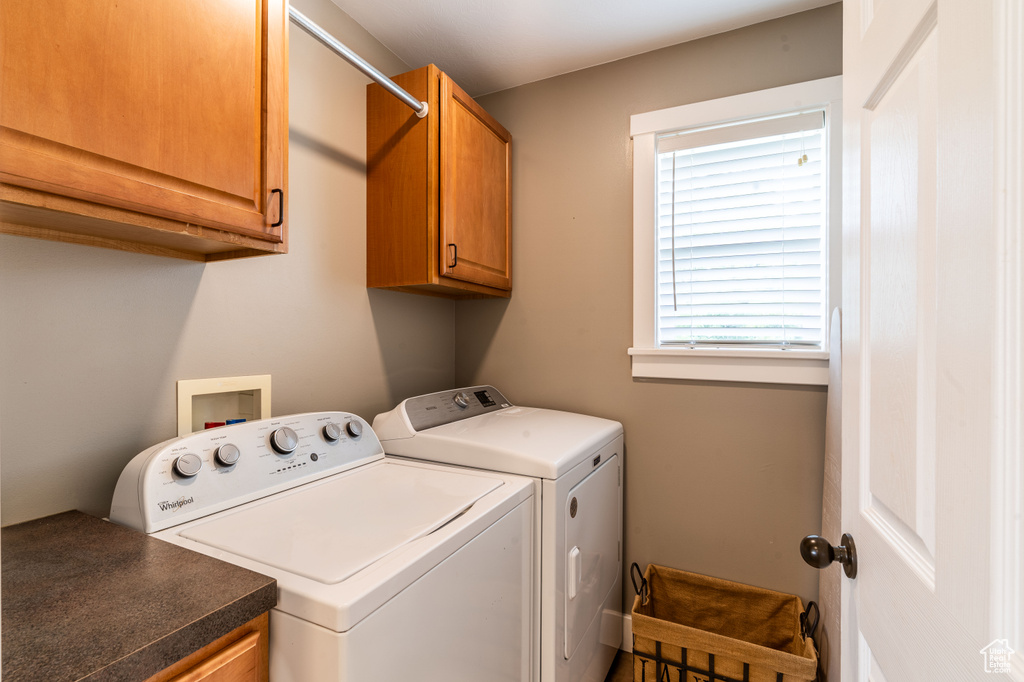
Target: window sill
point(726, 364)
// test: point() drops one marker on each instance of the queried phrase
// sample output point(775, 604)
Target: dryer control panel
point(191, 476)
point(435, 409)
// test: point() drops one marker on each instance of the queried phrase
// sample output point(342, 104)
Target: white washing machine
point(387, 569)
point(576, 464)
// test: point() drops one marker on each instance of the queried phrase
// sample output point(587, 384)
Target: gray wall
point(92, 341)
point(721, 478)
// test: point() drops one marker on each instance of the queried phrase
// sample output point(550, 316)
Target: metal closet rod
point(355, 60)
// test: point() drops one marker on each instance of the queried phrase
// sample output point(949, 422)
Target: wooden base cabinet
point(158, 126)
point(242, 655)
point(438, 193)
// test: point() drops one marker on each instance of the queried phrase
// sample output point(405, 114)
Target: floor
point(622, 668)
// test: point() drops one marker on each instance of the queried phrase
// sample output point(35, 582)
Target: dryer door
point(592, 549)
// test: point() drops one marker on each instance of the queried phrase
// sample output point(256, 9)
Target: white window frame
point(725, 363)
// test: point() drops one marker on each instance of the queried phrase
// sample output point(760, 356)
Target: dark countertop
point(86, 599)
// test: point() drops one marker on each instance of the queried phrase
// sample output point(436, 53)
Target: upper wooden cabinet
point(158, 126)
point(438, 193)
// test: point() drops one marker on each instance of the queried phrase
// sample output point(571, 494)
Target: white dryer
point(576, 463)
point(386, 569)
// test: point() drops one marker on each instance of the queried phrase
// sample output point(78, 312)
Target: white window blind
point(741, 233)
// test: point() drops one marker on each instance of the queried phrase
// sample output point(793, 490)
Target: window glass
point(741, 257)
point(736, 236)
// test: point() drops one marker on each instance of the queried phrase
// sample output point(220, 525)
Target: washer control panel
point(428, 411)
point(208, 471)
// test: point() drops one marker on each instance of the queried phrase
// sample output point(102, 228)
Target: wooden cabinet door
point(475, 178)
point(242, 655)
point(171, 108)
point(237, 663)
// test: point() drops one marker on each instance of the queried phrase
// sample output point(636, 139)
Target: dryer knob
point(332, 432)
point(461, 399)
point(284, 440)
point(227, 455)
point(188, 465)
point(354, 429)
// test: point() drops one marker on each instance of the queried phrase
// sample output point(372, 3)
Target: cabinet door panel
point(237, 663)
point(157, 106)
point(476, 211)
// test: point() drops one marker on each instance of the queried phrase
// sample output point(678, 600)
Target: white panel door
point(931, 339)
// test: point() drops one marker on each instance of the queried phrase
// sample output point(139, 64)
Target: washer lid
point(330, 530)
point(528, 441)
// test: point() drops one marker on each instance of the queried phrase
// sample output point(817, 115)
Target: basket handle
point(643, 589)
point(805, 629)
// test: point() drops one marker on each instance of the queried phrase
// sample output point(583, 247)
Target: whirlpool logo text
point(175, 505)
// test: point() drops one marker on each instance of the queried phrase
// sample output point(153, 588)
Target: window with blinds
point(741, 234)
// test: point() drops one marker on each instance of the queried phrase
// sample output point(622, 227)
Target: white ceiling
point(490, 45)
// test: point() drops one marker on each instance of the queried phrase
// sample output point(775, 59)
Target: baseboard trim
point(627, 632)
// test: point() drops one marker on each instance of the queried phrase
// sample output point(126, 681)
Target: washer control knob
point(461, 399)
point(227, 455)
point(188, 465)
point(332, 432)
point(284, 440)
point(354, 429)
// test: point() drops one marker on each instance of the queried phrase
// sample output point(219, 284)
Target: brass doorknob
point(817, 552)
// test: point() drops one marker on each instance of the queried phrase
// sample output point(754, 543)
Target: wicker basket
point(694, 628)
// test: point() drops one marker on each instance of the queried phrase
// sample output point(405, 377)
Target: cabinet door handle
point(280, 206)
point(453, 252)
